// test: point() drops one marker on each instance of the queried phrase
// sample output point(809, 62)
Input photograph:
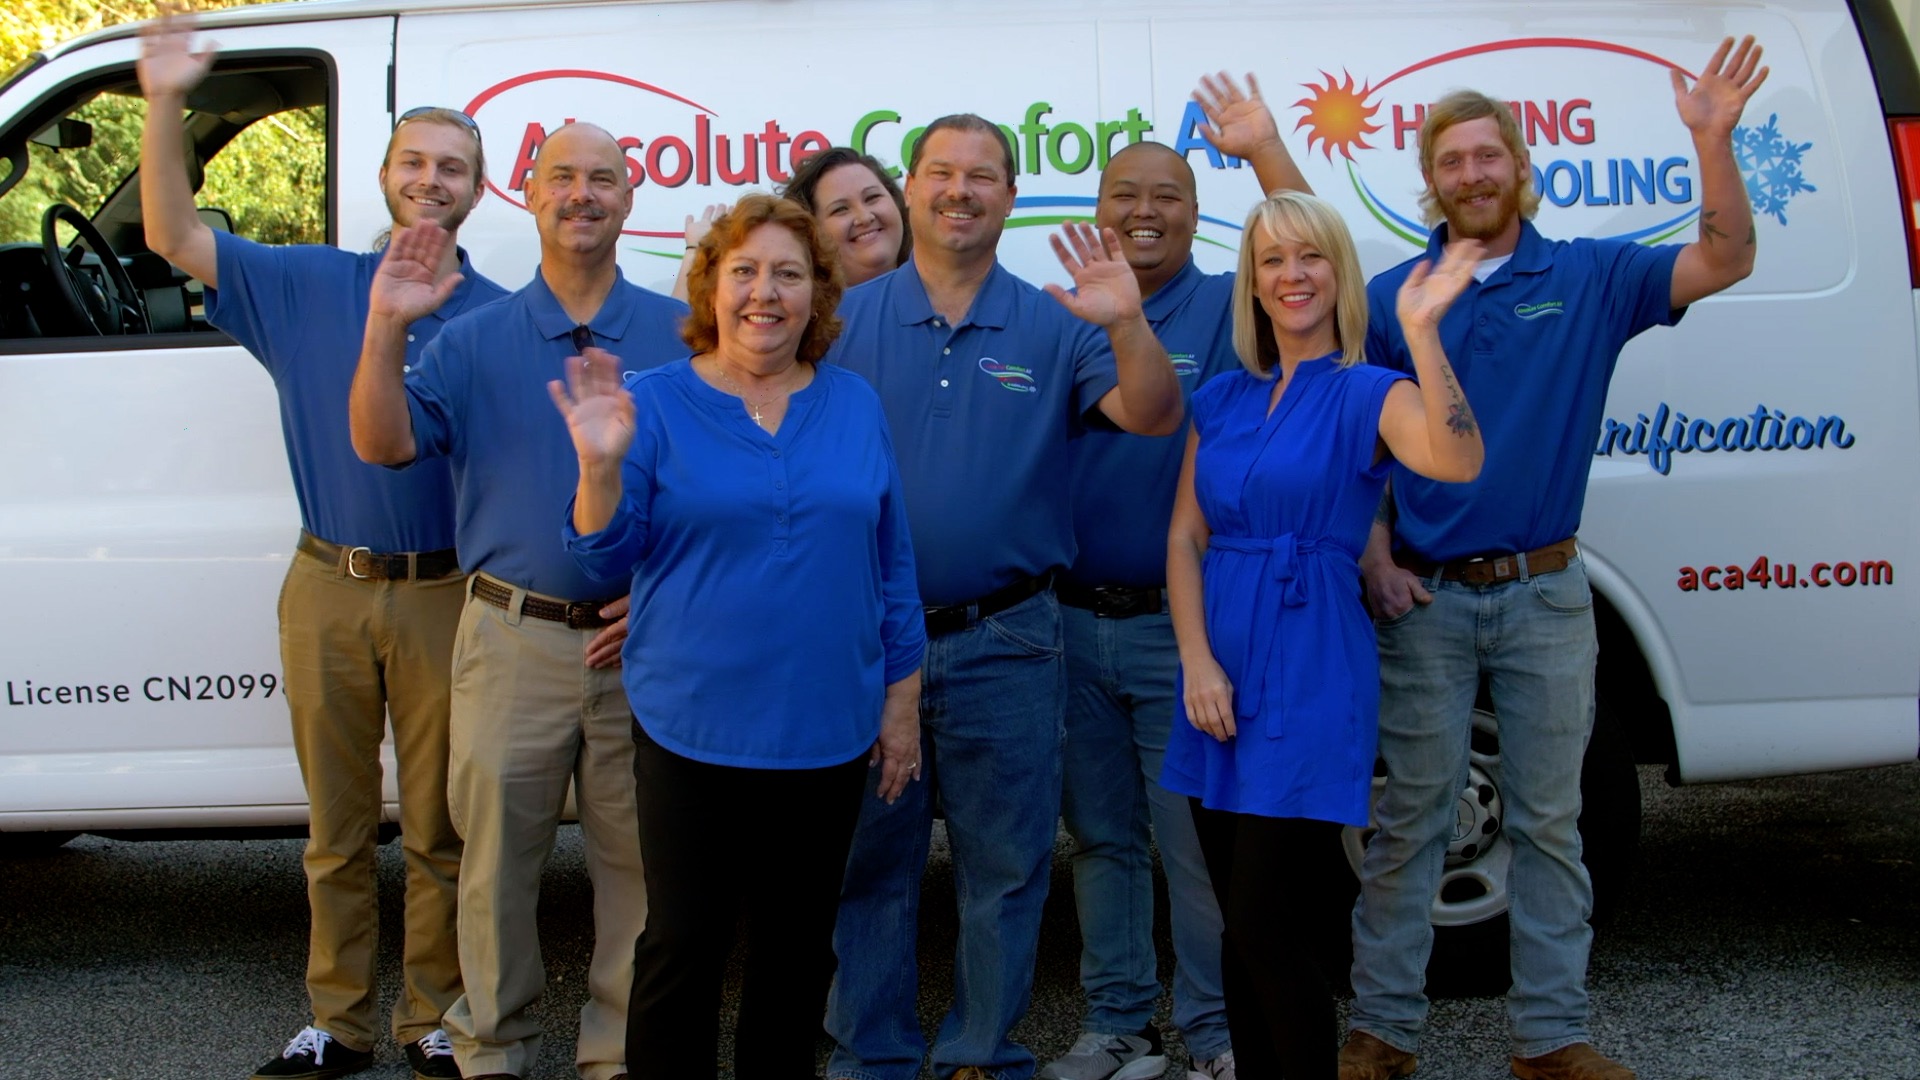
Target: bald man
point(537, 699)
point(1120, 649)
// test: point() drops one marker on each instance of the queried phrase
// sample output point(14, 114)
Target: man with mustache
point(1121, 653)
point(372, 597)
point(537, 699)
point(1485, 580)
point(984, 381)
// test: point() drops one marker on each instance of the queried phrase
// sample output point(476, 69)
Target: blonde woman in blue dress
point(1285, 468)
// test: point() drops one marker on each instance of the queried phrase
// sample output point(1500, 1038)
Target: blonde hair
point(1458, 108)
point(1300, 217)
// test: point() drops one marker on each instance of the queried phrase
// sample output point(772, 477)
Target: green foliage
point(272, 178)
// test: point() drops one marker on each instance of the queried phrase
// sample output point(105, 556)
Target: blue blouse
point(1289, 497)
point(773, 577)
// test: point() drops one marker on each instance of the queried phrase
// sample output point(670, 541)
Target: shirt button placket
point(782, 504)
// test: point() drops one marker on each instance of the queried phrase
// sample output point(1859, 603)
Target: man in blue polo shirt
point(984, 380)
point(1121, 655)
point(371, 600)
point(1485, 579)
point(537, 701)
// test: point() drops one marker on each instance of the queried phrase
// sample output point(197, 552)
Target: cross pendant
point(757, 418)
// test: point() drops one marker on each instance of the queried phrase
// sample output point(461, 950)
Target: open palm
point(1105, 291)
point(598, 410)
point(1430, 290)
point(1712, 106)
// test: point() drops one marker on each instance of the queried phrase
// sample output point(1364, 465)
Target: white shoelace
point(436, 1044)
point(311, 1040)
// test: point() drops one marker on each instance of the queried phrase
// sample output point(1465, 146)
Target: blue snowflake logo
point(1770, 162)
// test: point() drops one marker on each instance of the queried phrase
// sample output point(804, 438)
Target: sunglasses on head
point(438, 111)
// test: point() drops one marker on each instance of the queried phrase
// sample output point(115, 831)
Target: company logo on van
point(1599, 125)
point(671, 139)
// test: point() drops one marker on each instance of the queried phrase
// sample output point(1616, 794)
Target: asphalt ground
point(1773, 932)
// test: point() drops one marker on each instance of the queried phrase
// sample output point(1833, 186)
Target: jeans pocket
point(1011, 636)
point(1399, 620)
point(1565, 591)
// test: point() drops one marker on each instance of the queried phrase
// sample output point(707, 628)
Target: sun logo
point(1337, 116)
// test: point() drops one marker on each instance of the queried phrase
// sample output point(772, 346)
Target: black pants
point(714, 839)
point(1279, 1003)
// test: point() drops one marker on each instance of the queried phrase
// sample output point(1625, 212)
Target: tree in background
point(271, 178)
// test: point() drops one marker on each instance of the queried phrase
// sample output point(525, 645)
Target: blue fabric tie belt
point(1287, 559)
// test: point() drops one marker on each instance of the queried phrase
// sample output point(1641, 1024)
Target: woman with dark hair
point(859, 205)
point(1279, 678)
point(775, 640)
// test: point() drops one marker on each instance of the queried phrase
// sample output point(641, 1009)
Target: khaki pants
point(528, 717)
point(357, 653)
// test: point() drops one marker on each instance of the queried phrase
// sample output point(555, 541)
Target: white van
point(1753, 500)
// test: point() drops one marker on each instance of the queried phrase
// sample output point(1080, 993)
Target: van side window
point(257, 149)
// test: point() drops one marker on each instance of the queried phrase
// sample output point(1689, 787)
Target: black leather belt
point(1493, 569)
point(578, 615)
point(369, 565)
point(945, 620)
point(1112, 601)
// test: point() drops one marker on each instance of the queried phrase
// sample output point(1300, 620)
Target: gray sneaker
point(1110, 1057)
point(1216, 1068)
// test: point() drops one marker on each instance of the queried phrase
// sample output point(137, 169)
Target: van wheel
point(14, 845)
point(1470, 948)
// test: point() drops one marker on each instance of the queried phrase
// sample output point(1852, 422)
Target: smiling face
point(1146, 195)
point(1295, 284)
point(429, 175)
point(858, 212)
point(579, 194)
point(1476, 181)
point(763, 299)
point(959, 195)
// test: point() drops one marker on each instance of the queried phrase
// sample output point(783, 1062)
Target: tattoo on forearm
point(1459, 415)
point(1708, 230)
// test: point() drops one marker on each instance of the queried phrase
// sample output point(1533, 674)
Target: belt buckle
point(580, 613)
point(351, 572)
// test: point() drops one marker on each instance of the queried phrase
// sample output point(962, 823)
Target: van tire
point(1471, 958)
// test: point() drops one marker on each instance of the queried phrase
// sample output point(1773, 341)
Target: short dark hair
point(701, 331)
point(962, 122)
point(807, 176)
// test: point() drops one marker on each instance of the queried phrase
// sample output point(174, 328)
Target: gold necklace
point(753, 407)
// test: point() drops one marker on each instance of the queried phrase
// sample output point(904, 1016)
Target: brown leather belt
point(369, 565)
point(1494, 569)
point(578, 615)
point(945, 620)
point(1112, 601)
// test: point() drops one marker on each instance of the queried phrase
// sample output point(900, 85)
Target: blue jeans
point(1119, 708)
point(990, 729)
point(1534, 640)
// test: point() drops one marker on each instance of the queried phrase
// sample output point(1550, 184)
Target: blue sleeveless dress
point(1289, 498)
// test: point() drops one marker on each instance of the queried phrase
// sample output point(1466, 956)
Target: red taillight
point(1906, 153)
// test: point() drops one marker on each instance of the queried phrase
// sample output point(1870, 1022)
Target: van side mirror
point(215, 218)
point(66, 134)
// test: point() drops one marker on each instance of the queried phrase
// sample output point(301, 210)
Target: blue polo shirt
point(302, 312)
point(479, 399)
point(1534, 347)
point(981, 415)
point(1123, 484)
point(773, 582)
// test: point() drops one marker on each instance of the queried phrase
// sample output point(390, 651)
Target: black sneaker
point(314, 1055)
point(432, 1057)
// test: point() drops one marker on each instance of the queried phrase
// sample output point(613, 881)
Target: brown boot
point(1577, 1062)
point(1368, 1058)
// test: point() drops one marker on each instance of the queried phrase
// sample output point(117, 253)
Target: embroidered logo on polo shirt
point(1184, 364)
point(1544, 307)
point(1012, 376)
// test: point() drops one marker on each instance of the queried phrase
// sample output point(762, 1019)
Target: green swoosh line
point(1677, 230)
point(657, 254)
point(1058, 219)
point(1391, 225)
